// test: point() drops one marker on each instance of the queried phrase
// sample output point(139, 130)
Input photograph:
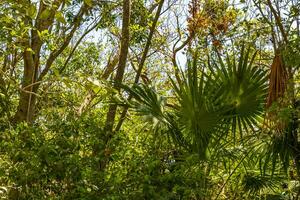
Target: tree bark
point(25, 108)
point(110, 118)
point(31, 57)
point(142, 61)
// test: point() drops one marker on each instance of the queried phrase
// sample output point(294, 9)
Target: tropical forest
point(150, 99)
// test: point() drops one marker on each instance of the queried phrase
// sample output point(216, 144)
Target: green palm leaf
point(244, 88)
point(198, 114)
point(227, 95)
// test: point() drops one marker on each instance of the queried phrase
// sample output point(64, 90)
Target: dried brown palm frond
point(277, 87)
point(278, 80)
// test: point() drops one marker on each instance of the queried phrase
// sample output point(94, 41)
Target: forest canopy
point(149, 99)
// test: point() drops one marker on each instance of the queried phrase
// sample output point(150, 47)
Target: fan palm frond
point(244, 89)
point(254, 182)
point(277, 153)
point(148, 103)
point(198, 114)
point(209, 101)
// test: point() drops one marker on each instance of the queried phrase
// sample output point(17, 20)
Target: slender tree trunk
point(27, 100)
point(142, 61)
point(110, 118)
point(31, 58)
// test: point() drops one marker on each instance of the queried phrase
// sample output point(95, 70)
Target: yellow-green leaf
point(31, 11)
point(60, 17)
point(45, 14)
point(88, 2)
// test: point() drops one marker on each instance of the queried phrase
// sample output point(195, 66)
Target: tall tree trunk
point(31, 57)
point(25, 110)
point(110, 118)
point(142, 60)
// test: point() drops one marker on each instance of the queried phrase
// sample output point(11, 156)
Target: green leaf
point(29, 49)
point(31, 11)
point(56, 72)
point(60, 17)
point(89, 2)
point(45, 14)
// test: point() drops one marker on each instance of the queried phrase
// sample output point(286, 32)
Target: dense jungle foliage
point(149, 99)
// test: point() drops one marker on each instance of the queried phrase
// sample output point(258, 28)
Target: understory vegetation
point(150, 99)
